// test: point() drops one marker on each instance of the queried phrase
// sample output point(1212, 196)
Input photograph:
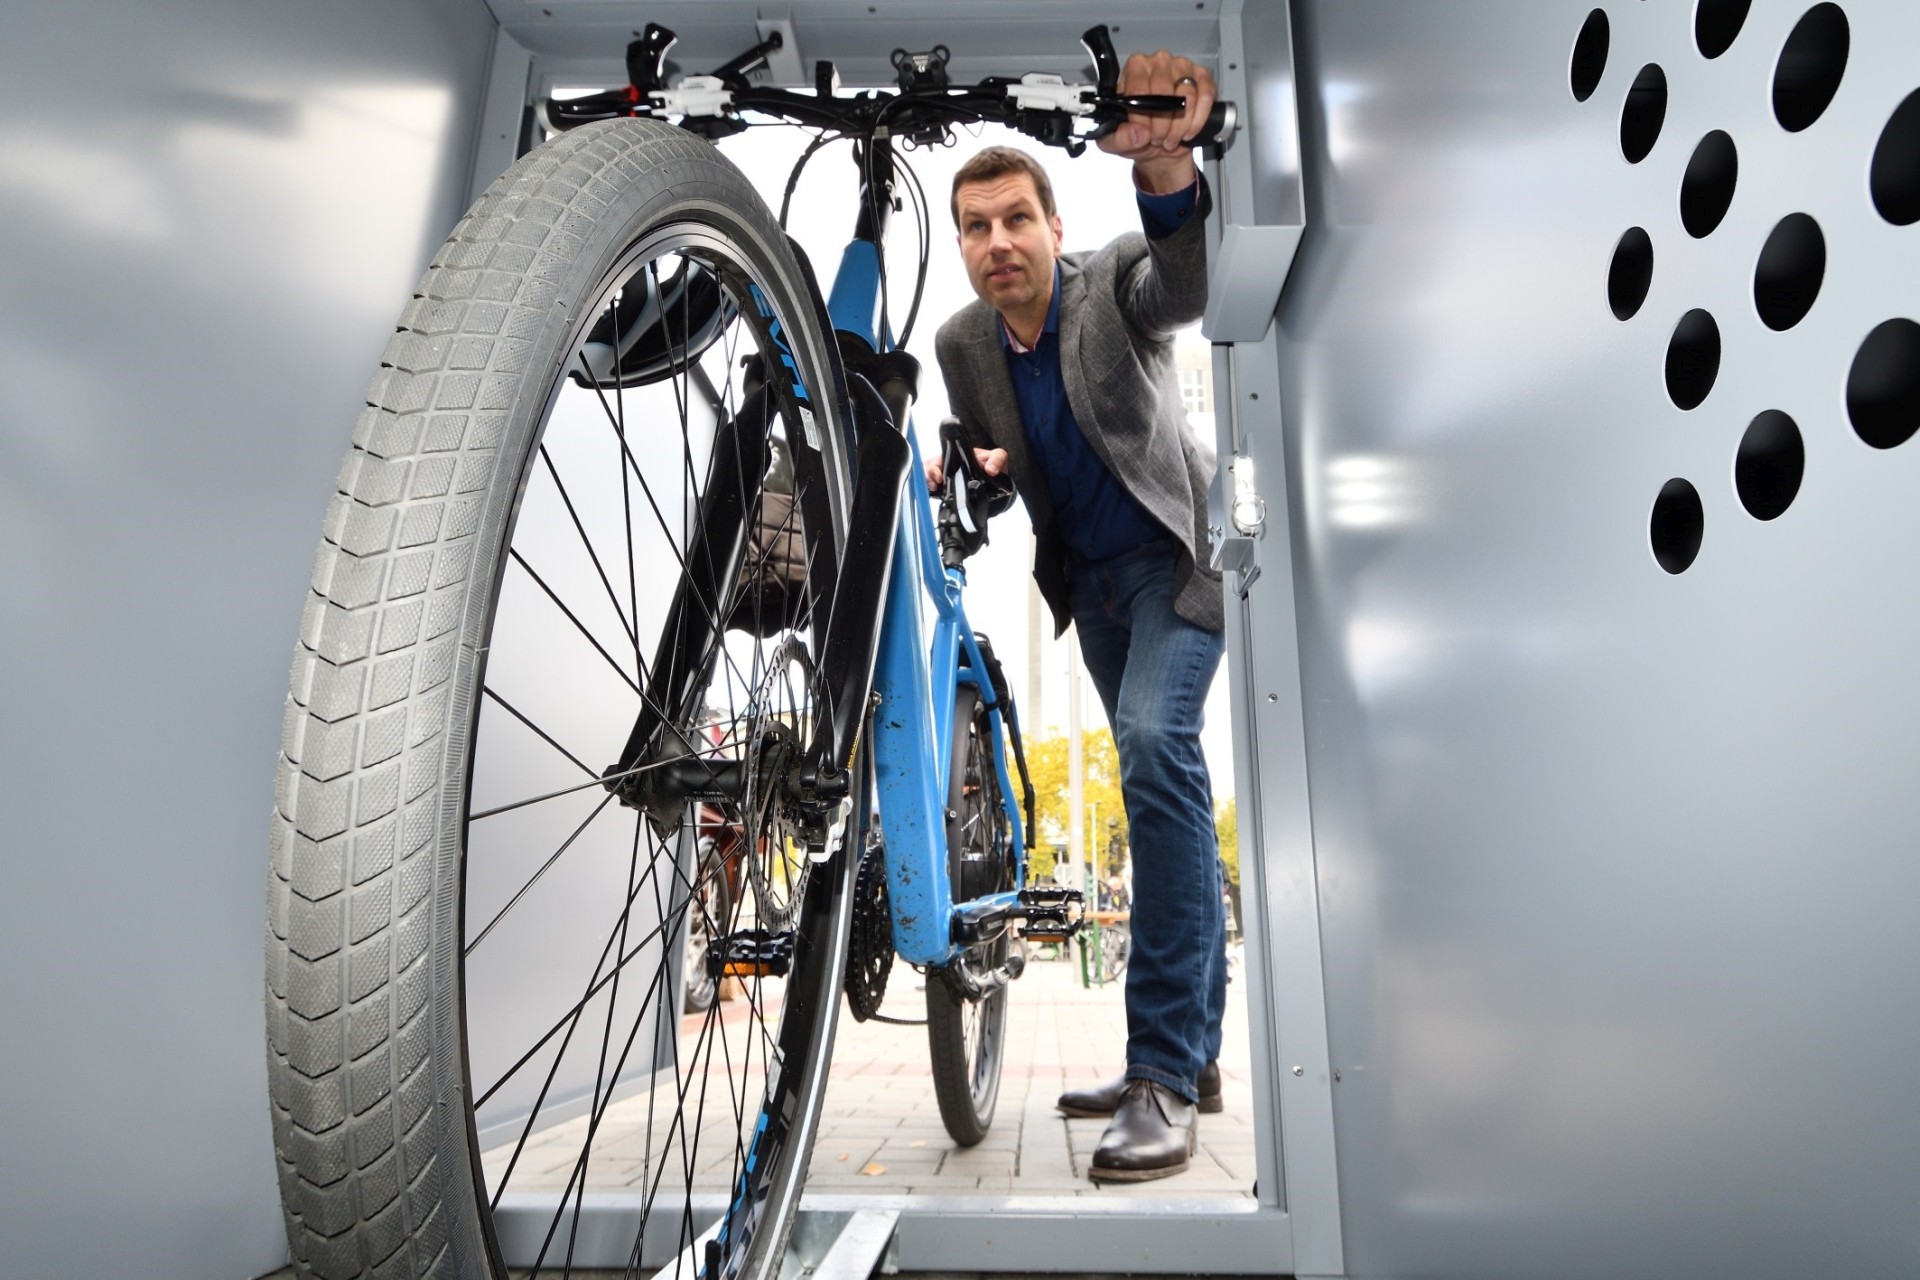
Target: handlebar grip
point(1222, 123)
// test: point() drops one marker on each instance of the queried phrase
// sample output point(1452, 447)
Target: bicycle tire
point(411, 788)
point(1116, 948)
point(967, 1037)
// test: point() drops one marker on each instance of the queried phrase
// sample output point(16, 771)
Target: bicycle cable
point(924, 226)
point(793, 178)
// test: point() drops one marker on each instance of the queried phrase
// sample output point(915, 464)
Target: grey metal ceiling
point(987, 37)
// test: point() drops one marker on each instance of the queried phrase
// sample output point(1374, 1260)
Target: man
point(1066, 365)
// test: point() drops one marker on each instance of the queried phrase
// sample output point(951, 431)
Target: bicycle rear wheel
point(1116, 948)
point(550, 532)
point(968, 1035)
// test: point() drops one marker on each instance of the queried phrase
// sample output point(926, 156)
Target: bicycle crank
point(1046, 915)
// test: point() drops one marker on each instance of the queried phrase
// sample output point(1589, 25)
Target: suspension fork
point(712, 561)
point(659, 773)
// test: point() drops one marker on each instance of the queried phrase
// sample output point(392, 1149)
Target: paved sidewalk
point(880, 1126)
point(881, 1131)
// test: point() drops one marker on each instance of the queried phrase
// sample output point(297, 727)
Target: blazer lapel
point(1074, 363)
point(994, 385)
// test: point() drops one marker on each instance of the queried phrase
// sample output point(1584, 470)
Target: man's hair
point(998, 162)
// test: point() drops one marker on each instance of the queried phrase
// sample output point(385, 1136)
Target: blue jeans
point(1152, 669)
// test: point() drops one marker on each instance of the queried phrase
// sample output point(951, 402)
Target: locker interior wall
point(210, 213)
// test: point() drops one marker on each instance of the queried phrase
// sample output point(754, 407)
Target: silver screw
point(1273, 697)
point(1299, 1071)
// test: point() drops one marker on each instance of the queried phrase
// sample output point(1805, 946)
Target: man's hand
point(990, 461)
point(1156, 143)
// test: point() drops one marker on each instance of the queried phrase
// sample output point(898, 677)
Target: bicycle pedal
point(1053, 915)
point(1041, 929)
point(750, 953)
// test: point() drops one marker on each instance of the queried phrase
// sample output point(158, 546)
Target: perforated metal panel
point(1598, 370)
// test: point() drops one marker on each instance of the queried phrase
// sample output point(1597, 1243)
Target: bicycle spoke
point(517, 714)
point(593, 989)
point(602, 780)
point(514, 554)
point(626, 623)
point(544, 868)
point(614, 420)
point(553, 1071)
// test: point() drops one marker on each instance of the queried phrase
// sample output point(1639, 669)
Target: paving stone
point(880, 1100)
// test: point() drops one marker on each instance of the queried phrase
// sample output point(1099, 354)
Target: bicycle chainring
point(870, 950)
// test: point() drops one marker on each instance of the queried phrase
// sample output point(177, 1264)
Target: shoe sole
point(1098, 1174)
point(1206, 1106)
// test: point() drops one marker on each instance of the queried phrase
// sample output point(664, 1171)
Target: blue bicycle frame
point(916, 680)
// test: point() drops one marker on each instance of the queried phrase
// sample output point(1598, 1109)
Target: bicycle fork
point(661, 774)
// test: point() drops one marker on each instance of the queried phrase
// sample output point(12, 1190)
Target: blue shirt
point(1097, 518)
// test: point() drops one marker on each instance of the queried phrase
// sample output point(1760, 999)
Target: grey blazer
point(1119, 307)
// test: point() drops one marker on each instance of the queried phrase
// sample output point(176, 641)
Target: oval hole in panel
point(1894, 179)
point(1643, 113)
point(1589, 55)
point(1631, 273)
point(1693, 359)
point(1677, 526)
point(1883, 387)
point(1717, 23)
point(1706, 191)
point(1793, 262)
point(1769, 465)
point(1811, 64)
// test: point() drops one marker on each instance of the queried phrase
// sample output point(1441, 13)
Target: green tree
point(1226, 826)
point(1047, 764)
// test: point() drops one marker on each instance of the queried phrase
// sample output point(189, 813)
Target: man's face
point(1007, 242)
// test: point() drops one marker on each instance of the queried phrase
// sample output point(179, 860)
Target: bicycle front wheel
point(967, 1036)
point(596, 499)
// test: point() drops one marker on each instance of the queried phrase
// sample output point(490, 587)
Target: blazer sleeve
point(1166, 289)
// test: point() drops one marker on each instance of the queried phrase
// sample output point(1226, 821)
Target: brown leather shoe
point(1153, 1134)
point(1103, 1100)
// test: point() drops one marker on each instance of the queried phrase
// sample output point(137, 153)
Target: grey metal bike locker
point(1584, 880)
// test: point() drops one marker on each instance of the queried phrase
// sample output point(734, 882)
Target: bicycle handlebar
point(923, 109)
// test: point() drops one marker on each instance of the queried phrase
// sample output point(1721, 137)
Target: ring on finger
point(1188, 80)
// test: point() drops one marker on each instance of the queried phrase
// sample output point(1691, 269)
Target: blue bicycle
point(615, 640)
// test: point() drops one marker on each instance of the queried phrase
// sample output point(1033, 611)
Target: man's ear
point(1059, 233)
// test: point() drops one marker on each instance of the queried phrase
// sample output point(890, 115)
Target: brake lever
point(1106, 61)
point(647, 59)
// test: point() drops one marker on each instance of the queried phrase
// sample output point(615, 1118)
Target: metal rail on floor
point(836, 1236)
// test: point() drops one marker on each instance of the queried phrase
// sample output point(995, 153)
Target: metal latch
point(1246, 519)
